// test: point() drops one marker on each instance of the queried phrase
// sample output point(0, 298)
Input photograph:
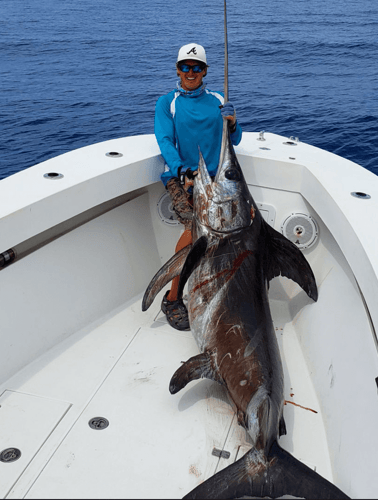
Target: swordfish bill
point(234, 255)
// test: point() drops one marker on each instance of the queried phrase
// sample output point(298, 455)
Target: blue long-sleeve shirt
point(185, 121)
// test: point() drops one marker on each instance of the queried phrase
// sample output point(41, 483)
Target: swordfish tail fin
point(257, 476)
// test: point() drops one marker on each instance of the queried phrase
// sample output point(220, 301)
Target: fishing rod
point(225, 55)
point(226, 129)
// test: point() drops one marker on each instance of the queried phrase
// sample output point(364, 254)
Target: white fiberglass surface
point(156, 445)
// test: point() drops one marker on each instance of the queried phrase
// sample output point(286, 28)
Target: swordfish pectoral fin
point(254, 475)
point(170, 270)
point(199, 366)
point(197, 251)
point(285, 259)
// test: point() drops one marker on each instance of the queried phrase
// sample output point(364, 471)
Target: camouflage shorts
point(182, 202)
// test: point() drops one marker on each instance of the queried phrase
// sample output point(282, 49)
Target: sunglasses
point(185, 68)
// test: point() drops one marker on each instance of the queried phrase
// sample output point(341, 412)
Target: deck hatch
point(26, 423)
point(268, 212)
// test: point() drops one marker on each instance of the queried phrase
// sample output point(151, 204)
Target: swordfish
point(228, 268)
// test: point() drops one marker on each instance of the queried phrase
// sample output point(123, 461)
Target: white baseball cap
point(192, 51)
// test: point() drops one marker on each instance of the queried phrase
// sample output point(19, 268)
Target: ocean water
point(73, 73)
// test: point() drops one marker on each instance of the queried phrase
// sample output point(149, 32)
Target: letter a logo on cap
point(192, 50)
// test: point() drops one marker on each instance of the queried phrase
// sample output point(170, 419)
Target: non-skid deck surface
point(156, 445)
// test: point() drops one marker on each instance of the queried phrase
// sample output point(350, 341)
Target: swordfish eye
point(232, 174)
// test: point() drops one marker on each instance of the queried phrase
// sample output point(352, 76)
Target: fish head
point(224, 203)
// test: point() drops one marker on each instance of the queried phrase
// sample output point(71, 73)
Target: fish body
point(230, 320)
point(234, 255)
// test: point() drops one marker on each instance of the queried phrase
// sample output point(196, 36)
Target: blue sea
point(77, 72)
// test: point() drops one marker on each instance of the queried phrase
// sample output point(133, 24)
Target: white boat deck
point(76, 345)
point(156, 445)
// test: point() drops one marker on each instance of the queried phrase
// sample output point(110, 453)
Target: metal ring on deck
point(98, 423)
point(10, 455)
point(360, 195)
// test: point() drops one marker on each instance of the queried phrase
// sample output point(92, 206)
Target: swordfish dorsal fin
point(170, 270)
point(283, 258)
